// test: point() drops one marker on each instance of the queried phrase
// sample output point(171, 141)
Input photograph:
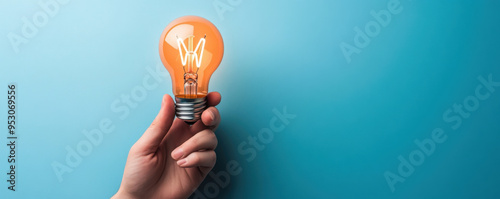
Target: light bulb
point(191, 48)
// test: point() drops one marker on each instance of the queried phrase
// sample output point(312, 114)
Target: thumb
point(151, 139)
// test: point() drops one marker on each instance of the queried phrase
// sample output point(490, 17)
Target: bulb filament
point(190, 58)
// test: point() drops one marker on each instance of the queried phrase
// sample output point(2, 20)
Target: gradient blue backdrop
point(352, 121)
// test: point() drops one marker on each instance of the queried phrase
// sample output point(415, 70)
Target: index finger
point(213, 98)
point(210, 117)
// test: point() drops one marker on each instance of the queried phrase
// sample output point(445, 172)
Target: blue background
point(352, 120)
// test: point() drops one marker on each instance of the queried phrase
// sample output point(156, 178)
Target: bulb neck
point(189, 109)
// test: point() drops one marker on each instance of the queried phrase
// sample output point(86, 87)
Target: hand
point(171, 158)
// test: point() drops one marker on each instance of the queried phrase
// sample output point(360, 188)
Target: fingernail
point(177, 153)
point(212, 117)
point(182, 162)
point(163, 100)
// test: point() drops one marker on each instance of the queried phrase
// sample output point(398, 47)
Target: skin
point(171, 158)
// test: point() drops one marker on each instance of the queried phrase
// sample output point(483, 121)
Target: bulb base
point(189, 109)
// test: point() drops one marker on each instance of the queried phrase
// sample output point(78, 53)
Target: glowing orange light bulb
point(191, 48)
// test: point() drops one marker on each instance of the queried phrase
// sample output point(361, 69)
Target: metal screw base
point(189, 110)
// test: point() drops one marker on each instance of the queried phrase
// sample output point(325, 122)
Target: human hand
point(171, 158)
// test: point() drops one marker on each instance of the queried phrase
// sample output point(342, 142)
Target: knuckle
point(195, 141)
point(208, 133)
point(210, 136)
point(153, 127)
point(215, 140)
point(213, 158)
point(202, 134)
point(133, 149)
point(195, 159)
point(153, 124)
